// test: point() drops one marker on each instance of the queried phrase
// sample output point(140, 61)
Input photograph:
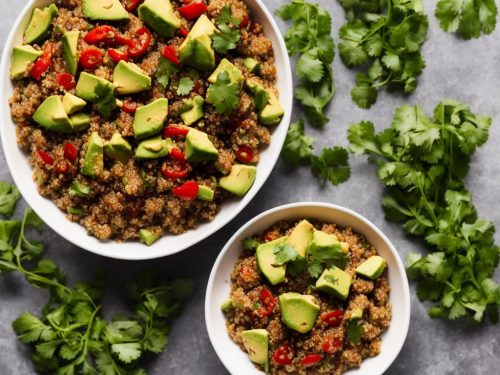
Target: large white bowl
point(235, 360)
point(22, 172)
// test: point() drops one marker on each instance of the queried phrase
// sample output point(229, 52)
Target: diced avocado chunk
point(22, 57)
point(70, 50)
point(298, 311)
point(79, 121)
point(72, 103)
point(147, 237)
point(226, 305)
point(118, 148)
point(128, 78)
point(153, 148)
point(372, 267)
point(251, 64)
point(77, 189)
point(322, 241)
point(159, 14)
point(235, 75)
point(205, 193)
point(199, 148)
point(356, 314)
point(196, 50)
point(335, 281)
point(239, 180)
point(51, 115)
point(272, 112)
point(256, 342)
point(87, 84)
point(149, 119)
point(93, 165)
point(266, 261)
point(195, 113)
point(105, 10)
point(39, 25)
point(301, 237)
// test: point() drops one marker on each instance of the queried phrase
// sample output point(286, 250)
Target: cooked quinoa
point(127, 197)
point(248, 284)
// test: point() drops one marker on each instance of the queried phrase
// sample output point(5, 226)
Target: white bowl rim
point(210, 285)
point(133, 250)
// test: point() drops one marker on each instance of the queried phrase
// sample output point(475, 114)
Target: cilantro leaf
point(298, 146)
point(309, 67)
point(467, 18)
point(166, 69)
point(226, 16)
point(250, 243)
point(322, 258)
point(9, 195)
point(105, 101)
point(332, 165)
point(226, 39)
point(185, 86)
point(284, 253)
point(354, 332)
point(223, 94)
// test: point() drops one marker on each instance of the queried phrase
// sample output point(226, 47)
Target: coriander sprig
point(423, 162)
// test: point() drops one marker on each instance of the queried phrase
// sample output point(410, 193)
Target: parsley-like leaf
point(185, 86)
point(9, 195)
point(226, 16)
point(298, 146)
point(223, 94)
point(250, 243)
point(225, 39)
point(105, 101)
point(166, 69)
point(332, 165)
point(284, 253)
point(355, 332)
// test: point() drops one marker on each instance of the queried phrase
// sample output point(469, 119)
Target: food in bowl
point(308, 297)
point(142, 118)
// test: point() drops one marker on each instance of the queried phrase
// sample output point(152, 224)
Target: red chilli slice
point(70, 152)
point(177, 154)
point(45, 158)
point(91, 58)
point(118, 56)
point(311, 359)
point(283, 355)
point(66, 80)
point(188, 190)
point(43, 63)
point(331, 346)
point(333, 318)
point(244, 154)
point(141, 43)
point(192, 11)
point(174, 169)
point(172, 131)
point(171, 54)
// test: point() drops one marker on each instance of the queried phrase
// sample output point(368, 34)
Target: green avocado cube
point(356, 314)
point(39, 25)
point(205, 193)
point(51, 115)
point(149, 119)
point(335, 281)
point(147, 237)
point(22, 57)
point(239, 180)
point(118, 148)
point(93, 165)
point(70, 50)
point(79, 121)
point(196, 50)
point(72, 103)
point(266, 261)
point(104, 10)
point(298, 311)
point(301, 237)
point(272, 112)
point(199, 148)
point(87, 84)
point(159, 14)
point(251, 64)
point(235, 75)
point(372, 267)
point(128, 78)
point(195, 113)
point(256, 343)
point(153, 148)
point(226, 305)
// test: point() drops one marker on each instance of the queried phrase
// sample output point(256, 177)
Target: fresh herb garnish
point(424, 162)
point(226, 38)
point(166, 69)
point(467, 18)
point(284, 253)
point(332, 164)
point(185, 86)
point(386, 36)
point(72, 336)
point(321, 259)
point(226, 16)
point(78, 189)
point(223, 94)
point(105, 101)
point(250, 243)
point(310, 36)
point(9, 195)
point(355, 331)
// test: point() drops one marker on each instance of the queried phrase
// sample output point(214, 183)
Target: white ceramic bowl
point(235, 360)
point(22, 172)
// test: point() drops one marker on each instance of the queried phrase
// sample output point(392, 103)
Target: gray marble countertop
point(466, 71)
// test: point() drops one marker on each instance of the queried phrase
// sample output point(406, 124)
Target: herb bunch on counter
point(423, 162)
point(72, 336)
point(384, 38)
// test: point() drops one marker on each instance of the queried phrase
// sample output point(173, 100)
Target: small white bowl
point(22, 172)
point(235, 360)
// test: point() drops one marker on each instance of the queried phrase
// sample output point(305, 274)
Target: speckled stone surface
point(466, 71)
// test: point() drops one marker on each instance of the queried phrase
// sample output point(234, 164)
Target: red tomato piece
point(331, 345)
point(45, 158)
point(66, 81)
point(244, 23)
point(177, 154)
point(131, 5)
point(43, 63)
point(183, 31)
point(171, 54)
point(118, 56)
point(91, 58)
point(61, 167)
point(311, 359)
point(188, 190)
point(333, 318)
point(141, 43)
point(268, 302)
point(70, 152)
point(100, 34)
point(244, 154)
point(283, 355)
point(174, 169)
point(172, 131)
point(129, 106)
point(192, 11)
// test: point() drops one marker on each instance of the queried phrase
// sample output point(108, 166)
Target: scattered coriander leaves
point(105, 101)
point(310, 36)
point(228, 34)
point(250, 243)
point(467, 18)
point(71, 336)
point(386, 37)
point(223, 94)
point(166, 69)
point(423, 162)
point(332, 164)
point(284, 253)
point(185, 86)
point(226, 16)
point(323, 258)
point(9, 195)
point(355, 331)
point(78, 189)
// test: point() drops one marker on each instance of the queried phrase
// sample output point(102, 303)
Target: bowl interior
point(22, 172)
point(235, 360)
